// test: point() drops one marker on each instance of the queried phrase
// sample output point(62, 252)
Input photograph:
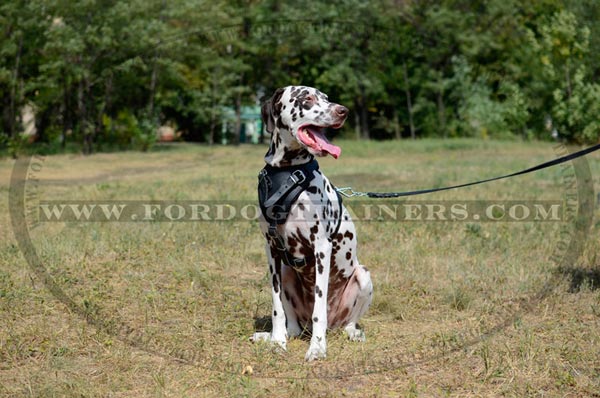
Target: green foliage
point(577, 115)
point(500, 68)
point(127, 132)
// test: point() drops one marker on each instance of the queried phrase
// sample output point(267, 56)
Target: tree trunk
point(154, 76)
point(13, 91)
point(356, 120)
point(66, 117)
point(442, 112)
point(153, 79)
point(213, 124)
point(396, 121)
point(362, 110)
point(409, 106)
point(86, 127)
point(106, 104)
point(238, 112)
point(238, 119)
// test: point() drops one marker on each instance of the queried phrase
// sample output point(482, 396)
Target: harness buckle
point(298, 177)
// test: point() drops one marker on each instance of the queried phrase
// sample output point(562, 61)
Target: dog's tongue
point(322, 144)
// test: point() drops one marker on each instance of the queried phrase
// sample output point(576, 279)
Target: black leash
point(349, 192)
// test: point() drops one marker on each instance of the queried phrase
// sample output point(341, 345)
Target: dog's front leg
point(278, 334)
point(318, 341)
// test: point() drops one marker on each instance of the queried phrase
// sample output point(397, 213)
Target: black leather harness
point(278, 190)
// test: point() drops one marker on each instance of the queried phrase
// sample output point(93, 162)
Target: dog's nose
point(341, 111)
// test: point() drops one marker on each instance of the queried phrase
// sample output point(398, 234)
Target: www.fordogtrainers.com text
point(192, 211)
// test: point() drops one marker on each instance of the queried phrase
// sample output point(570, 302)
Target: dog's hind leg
point(361, 295)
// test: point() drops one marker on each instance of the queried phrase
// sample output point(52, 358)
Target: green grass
point(170, 306)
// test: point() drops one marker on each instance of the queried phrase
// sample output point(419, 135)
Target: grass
point(170, 306)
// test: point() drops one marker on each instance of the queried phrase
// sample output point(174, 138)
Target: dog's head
point(299, 115)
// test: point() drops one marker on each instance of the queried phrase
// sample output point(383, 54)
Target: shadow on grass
point(265, 324)
point(581, 277)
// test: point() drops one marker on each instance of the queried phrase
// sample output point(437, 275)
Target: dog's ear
point(271, 110)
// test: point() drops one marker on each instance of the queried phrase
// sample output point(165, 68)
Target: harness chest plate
point(279, 187)
point(278, 190)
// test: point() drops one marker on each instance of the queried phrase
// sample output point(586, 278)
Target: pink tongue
point(325, 145)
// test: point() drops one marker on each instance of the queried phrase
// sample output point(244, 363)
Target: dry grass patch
point(166, 308)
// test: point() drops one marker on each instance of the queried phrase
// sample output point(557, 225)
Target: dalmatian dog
point(332, 289)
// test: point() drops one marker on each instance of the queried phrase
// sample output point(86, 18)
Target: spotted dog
point(316, 279)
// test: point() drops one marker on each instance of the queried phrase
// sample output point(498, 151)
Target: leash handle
point(350, 193)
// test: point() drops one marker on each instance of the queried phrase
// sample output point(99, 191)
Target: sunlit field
point(164, 308)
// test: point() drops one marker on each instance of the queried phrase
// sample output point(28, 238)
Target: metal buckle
point(298, 177)
point(350, 193)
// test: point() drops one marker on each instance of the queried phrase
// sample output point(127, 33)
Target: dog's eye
point(310, 98)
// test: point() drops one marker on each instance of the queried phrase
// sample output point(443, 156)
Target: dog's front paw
point(317, 350)
point(268, 337)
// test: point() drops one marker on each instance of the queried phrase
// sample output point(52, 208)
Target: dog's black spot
point(274, 313)
point(301, 206)
point(315, 319)
point(320, 267)
point(349, 235)
point(275, 284)
point(318, 291)
point(312, 189)
point(348, 255)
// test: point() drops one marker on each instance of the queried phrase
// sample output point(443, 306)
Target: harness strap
point(278, 190)
point(296, 178)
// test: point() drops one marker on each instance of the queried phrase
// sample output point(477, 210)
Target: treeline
point(104, 74)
